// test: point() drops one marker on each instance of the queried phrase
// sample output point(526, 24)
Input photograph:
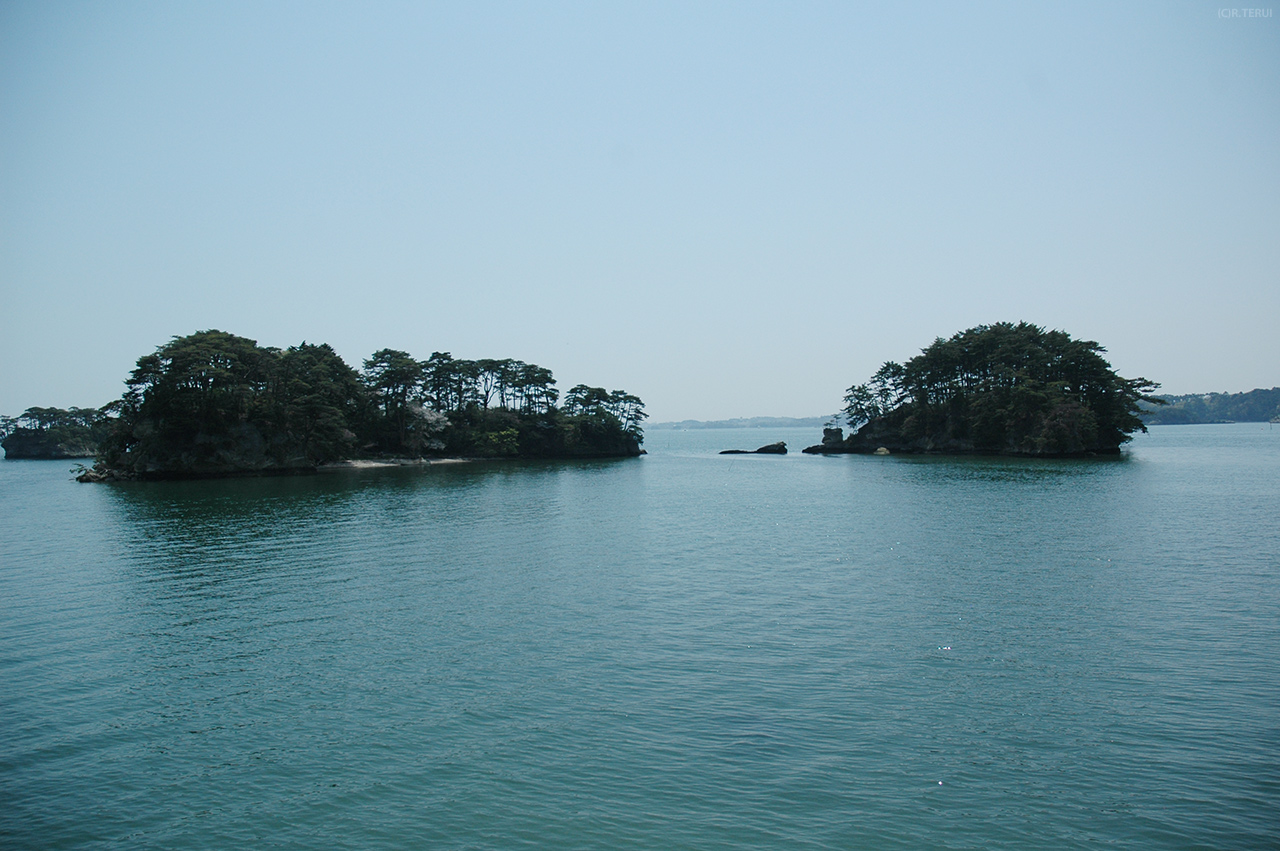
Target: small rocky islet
point(779, 448)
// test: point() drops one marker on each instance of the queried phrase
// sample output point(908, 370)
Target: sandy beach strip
point(370, 464)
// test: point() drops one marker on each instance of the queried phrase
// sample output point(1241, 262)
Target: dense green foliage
point(1255, 406)
point(54, 432)
point(213, 403)
point(1000, 388)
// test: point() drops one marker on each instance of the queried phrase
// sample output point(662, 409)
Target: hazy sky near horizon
point(728, 209)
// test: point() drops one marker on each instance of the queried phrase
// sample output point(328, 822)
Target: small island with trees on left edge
point(213, 404)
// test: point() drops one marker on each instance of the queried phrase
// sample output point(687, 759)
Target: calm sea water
point(684, 650)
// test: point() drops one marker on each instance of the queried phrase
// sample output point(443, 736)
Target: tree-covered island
point(996, 389)
point(54, 433)
point(215, 404)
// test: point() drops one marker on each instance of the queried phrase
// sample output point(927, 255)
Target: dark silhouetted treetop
point(395, 381)
point(1003, 388)
point(598, 403)
point(318, 401)
point(214, 403)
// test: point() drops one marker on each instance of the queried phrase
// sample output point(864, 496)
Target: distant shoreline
point(1255, 406)
point(743, 422)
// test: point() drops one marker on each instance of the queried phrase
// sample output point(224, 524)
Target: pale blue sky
point(729, 209)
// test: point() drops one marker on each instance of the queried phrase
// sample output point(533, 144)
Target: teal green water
point(684, 650)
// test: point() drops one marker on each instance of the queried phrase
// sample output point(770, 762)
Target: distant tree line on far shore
point(1255, 406)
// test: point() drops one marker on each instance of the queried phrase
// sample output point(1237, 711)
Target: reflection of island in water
point(213, 404)
point(255, 520)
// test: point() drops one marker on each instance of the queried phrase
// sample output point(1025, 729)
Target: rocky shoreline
point(869, 441)
point(98, 473)
point(101, 474)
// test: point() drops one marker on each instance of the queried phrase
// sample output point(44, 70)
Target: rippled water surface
point(684, 650)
